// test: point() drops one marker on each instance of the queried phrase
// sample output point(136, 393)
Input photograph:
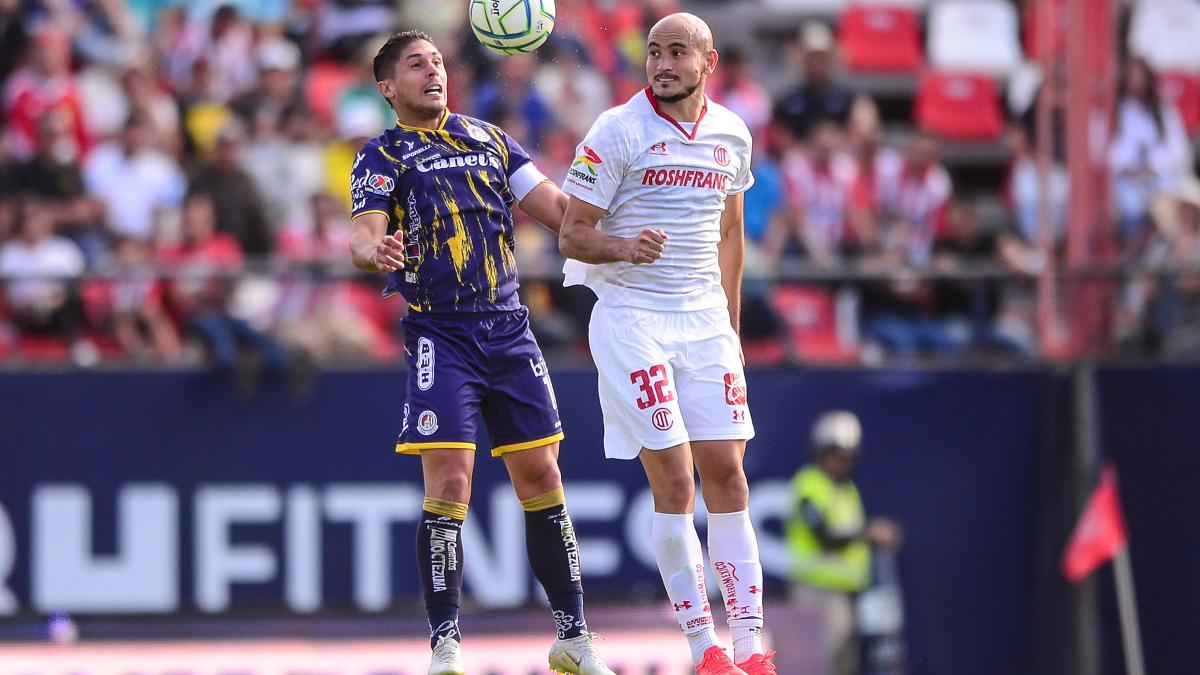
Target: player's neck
point(686, 110)
point(419, 120)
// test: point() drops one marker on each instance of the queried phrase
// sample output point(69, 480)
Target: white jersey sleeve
point(744, 178)
point(601, 161)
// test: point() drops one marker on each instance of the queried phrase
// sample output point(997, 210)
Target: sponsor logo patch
point(425, 363)
point(659, 148)
point(735, 389)
point(427, 422)
point(662, 419)
point(475, 132)
point(721, 155)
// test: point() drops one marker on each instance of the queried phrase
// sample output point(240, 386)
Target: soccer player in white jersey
point(654, 227)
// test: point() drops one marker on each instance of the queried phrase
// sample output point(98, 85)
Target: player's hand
point(389, 254)
point(646, 247)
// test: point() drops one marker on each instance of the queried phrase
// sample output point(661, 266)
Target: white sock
point(681, 564)
point(734, 552)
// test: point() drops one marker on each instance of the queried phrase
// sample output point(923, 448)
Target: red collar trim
point(673, 121)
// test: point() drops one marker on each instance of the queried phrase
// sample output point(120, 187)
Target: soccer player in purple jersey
point(432, 207)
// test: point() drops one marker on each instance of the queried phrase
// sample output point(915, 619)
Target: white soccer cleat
point(447, 659)
point(577, 656)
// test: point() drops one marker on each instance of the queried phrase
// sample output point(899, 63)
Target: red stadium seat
point(809, 315)
point(959, 106)
point(880, 37)
point(1182, 89)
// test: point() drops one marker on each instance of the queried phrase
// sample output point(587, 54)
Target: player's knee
point(543, 478)
point(454, 486)
point(675, 494)
point(729, 485)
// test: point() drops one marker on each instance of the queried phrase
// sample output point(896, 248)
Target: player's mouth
point(665, 79)
point(433, 90)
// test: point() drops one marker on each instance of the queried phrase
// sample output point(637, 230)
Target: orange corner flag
point(1100, 532)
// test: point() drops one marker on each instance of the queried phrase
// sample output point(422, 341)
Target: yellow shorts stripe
point(445, 507)
point(548, 500)
point(416, 448)
point(516, 447)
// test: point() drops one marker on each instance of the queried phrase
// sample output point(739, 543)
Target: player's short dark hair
point(389, 53)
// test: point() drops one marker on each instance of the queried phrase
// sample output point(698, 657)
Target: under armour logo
point(732, 602)
point(659, 148)
point(686, 604)
point(755, 589)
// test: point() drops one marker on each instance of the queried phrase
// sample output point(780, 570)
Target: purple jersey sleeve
point(517, 157)
point(372, 181)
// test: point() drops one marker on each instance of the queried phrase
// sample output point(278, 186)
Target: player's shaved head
point(682, 27)
point(679, 58)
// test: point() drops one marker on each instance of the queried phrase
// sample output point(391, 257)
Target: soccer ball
point(512, 26)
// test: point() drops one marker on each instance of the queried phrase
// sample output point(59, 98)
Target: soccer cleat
point(717, 662)
point(577, 656)
point(759, 664)
point(446, 658)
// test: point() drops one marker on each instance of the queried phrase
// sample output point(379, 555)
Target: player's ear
point(710, 61)
point(386, 89)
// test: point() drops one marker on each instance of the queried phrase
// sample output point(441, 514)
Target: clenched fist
point(646, 247)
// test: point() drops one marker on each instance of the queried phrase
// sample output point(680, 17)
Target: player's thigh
point(636, 381)
point(671, 476)
point(519, 405)
point(534, 471)
point(447, 473)
point(711, 382)
point(444, 389)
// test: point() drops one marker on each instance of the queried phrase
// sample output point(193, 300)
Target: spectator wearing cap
point(141, 187)
point(831, 539)
point(46, 83)
point(240, 211)
point(819, 96)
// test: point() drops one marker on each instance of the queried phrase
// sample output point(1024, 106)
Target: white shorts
point(667, 378)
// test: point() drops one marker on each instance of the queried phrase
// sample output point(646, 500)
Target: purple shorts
point(478, 362)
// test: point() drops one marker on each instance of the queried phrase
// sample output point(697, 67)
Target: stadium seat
point(810, 318)
point(880, 37)
point(959, 106)
point(1182, 89)
point(976, 36)
point(1055, 12)
point(1164, 32)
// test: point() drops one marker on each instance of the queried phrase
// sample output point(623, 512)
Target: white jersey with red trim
point(647, 170)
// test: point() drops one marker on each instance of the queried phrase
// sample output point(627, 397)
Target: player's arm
point(371, 247)
point(579, 239)
point(546, 204)
point(731, 255)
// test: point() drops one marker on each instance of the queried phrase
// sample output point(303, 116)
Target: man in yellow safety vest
point(831, 539)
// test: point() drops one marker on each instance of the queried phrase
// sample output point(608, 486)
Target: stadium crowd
point(173, 187)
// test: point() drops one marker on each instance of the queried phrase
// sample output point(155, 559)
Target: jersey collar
point(695, 127)
point(440, 125)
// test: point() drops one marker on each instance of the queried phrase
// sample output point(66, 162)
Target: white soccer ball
point(512, 26)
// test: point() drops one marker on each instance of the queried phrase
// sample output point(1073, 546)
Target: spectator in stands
point(144, 94)
point(1024, 180)
point(53, 176)
point(277, 87)
point(45, 83)
point(820, 96)
point(239, 206)
point(916, 213)
point(513, 89)
point(14, 38)
point(737, 89)
point(133, 304)
point(40, 267)
point(1150, 151)
point(225, 47)
point(820, 182)
point(140, 186)
point(877, 172)
point(764, 210)
point(579, 91)
point(200, 295)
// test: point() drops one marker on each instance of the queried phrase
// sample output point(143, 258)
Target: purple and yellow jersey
point(447, 193)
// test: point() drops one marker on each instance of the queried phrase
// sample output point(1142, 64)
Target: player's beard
point(675, 98)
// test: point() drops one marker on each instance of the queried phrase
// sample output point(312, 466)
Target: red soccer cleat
point(717, 662)
point(759, 664)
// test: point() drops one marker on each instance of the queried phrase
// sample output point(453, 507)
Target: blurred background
point(975, 224)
